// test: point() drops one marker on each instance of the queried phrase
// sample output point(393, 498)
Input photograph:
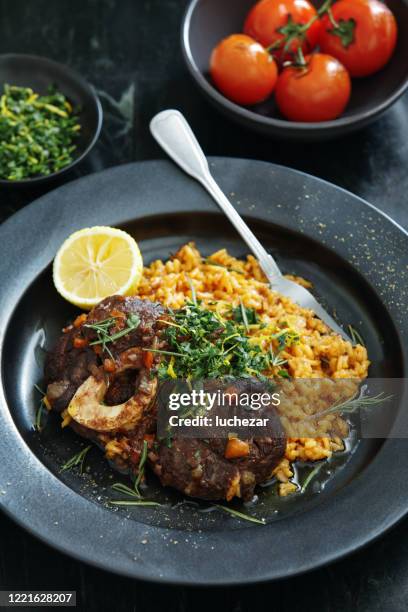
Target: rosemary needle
point(193, 291)
point(134, 503)
point(77, 459)
point(244, 315)
point(125, 490)
point(40, 410)
point(240, 515)
point(310, 476)
point(143, 457)
point(134, 493)
point(355, 336)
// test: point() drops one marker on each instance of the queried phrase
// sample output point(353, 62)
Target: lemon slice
point(96, 262)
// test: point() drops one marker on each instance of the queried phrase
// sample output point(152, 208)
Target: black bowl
point(206, 22)
point(40, 72)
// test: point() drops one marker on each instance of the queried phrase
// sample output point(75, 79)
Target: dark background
point(129, 49)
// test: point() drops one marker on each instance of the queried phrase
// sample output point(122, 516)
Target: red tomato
point(364, 38)
point(318, 92)
point(269, 20)
point(242, 70)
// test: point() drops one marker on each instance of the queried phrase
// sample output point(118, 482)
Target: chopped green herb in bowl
point(38, 133)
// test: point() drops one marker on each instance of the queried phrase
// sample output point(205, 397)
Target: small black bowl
point(39, 73)
point(206, 22)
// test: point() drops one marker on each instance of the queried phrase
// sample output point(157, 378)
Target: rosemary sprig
point(351, 405)
point(77, 459)
point(135, 492)
point(141, 468)
point(125, 490)
point(102, 331)
point(311, 475)
point(103, 328)
point(136, 501)
point(240, 515)
point(355, 336)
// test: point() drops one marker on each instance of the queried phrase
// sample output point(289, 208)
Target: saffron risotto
point(220, 282)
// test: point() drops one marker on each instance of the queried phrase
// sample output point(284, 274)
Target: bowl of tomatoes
point(294, 69)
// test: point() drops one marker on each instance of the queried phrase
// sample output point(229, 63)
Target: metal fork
point(175, 136)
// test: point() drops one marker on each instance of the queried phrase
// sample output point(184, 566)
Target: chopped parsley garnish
point(202, 345)
point(286, 338)
point(37, 133)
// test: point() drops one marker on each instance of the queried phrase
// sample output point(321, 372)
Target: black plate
point(39, 73)
point(357, 259)
point(206, 22)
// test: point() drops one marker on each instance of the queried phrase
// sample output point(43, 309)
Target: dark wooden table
point(129, 49)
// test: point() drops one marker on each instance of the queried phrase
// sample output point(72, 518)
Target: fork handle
point(175, 136)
